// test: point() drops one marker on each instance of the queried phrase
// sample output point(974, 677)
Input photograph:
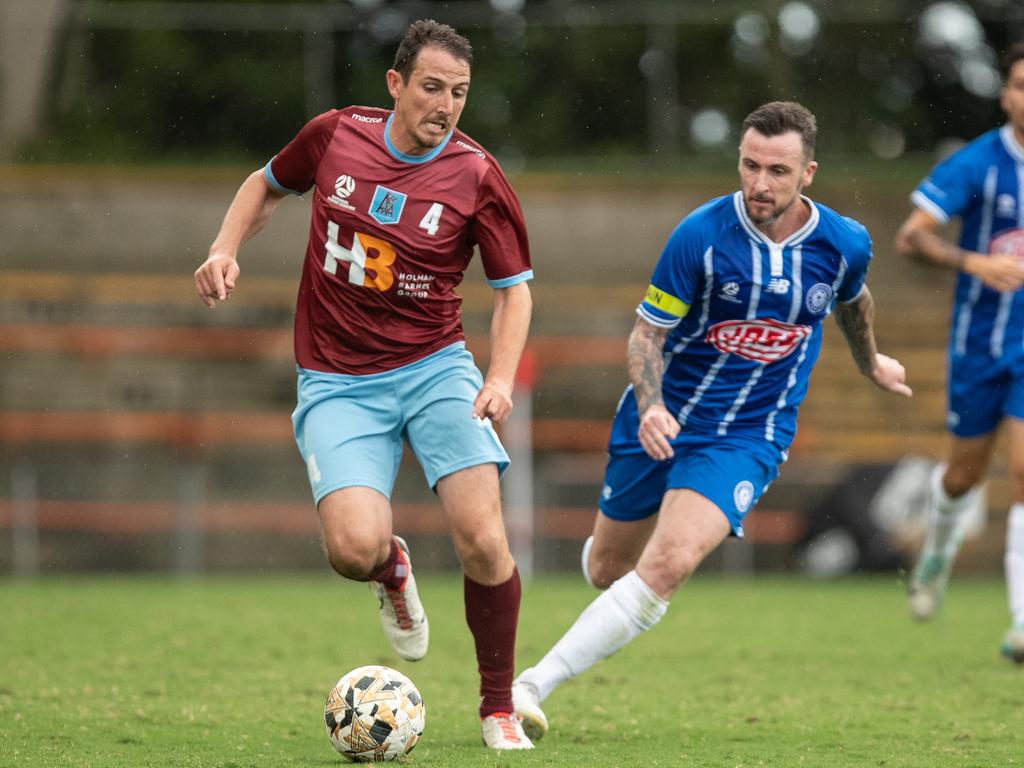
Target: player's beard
point(776, 214)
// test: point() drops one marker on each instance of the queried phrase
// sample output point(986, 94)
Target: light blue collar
point(411, 158)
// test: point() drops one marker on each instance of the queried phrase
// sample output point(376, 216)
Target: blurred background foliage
point(603, 84)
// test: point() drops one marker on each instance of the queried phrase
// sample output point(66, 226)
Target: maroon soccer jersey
point(390, 238)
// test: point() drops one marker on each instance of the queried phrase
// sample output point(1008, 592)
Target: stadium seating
point(128, 411)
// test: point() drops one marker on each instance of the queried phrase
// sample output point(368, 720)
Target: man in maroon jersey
point(400, 199)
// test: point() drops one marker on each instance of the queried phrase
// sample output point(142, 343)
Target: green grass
point(233, 672)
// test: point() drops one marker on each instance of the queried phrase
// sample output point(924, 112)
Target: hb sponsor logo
point(764, 341)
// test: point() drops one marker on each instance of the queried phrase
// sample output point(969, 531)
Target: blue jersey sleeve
point(950, 187)
point(676, 279)
point(857, 253)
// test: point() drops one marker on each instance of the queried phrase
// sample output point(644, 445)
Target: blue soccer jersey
point(745, 316)
point(983, 184)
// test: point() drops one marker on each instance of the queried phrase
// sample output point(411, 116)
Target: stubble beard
point(776, 214)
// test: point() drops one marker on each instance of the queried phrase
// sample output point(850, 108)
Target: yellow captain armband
point(666, 302)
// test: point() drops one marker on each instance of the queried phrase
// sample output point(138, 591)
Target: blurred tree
point(231, 80)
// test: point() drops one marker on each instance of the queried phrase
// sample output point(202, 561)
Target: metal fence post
point(518, 486)
point(189, 532)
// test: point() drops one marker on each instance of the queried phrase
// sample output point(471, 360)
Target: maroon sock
point(392, 572)
point(492, 614)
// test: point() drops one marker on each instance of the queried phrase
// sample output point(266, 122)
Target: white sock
point(946, 516)
point(621, 613)
point(1014, 562)
point(585, 557)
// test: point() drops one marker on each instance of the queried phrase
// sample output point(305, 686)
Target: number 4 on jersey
point(432, 220)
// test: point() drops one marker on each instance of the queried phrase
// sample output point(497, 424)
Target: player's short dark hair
point(1013, 54)
point(778, 117)
point(427, 33)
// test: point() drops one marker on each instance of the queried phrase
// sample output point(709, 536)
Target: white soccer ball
point(374, 714)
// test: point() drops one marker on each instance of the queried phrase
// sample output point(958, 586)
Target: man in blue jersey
point(982, 184)
point(719, 360)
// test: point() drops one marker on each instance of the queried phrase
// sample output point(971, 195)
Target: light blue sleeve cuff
point(506, 282)
point(269, 176)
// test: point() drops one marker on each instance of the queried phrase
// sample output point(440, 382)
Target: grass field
point(233, 672)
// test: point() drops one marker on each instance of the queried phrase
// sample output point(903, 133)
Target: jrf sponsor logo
point(762, 340)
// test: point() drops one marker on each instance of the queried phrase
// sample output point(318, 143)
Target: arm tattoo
point(856, 320)
point(646, 364)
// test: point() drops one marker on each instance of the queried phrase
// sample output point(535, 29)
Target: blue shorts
point(982, 390)
point(732, 471)
point(349, 429)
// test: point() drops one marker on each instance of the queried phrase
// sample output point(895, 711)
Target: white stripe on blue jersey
point(983, 184)
point(705, 304)
point(742, 364)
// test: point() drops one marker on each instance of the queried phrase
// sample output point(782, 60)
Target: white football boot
point(401, 613)
point(526, 701)
point(928, 585)
point(504, 731)
point(1013, 644)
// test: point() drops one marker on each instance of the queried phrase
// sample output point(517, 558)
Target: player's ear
point(395, 83)
point(809, 172)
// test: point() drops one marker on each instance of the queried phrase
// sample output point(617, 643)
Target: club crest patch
point(386, 205)
point(743, 495)
point(819, 296)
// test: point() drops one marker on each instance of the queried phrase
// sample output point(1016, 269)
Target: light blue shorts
point(350, 429)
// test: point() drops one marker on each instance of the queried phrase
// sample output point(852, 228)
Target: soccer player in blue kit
point(719, 359)
point(983, 184)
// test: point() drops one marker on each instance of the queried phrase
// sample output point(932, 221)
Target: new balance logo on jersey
point(778, 285)
point(762, 340)
point(343, 187)
point(729, 292)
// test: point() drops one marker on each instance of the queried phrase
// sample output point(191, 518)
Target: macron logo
point(471, 148)
point(366, 118)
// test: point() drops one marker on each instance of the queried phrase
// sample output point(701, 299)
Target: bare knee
point(669, 568)
point(606, 571)
point(1016, 470)
point(355, 558)
point(960, 478)
point(481, 548)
